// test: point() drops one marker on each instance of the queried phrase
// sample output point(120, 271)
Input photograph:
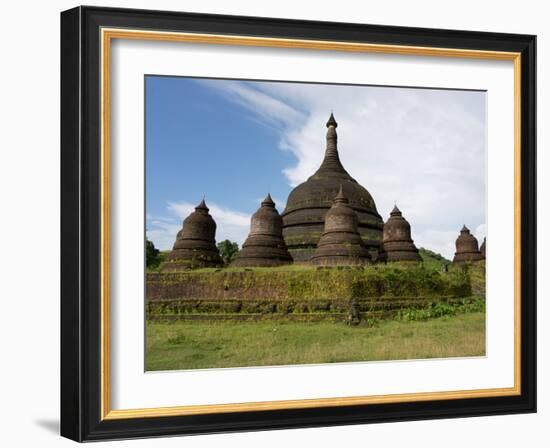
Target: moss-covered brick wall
point(293, 309)
point(301, 292)
point(308, 283)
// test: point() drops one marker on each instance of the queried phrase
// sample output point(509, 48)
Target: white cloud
point(265, 108)
point(480, 232)
point(162, 233)
point(440, 241)
point(424, 149)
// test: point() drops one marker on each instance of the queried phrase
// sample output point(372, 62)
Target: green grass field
point(200, 344)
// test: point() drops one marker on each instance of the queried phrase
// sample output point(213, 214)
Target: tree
point(433, 259)
point(228, 250)
point(152, 255)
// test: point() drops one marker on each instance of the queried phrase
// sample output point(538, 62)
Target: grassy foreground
point(194, 345)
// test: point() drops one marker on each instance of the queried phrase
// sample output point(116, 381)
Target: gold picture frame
point(106, 31)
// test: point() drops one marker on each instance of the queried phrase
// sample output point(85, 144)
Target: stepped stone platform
point(323, 293)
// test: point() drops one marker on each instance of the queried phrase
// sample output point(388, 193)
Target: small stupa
point(341, 243)
point(265, 245)
point(482, 248)
point(467, 248)
point(195, 245)
point(397, 244)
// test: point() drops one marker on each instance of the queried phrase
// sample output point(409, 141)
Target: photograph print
point(299, 223)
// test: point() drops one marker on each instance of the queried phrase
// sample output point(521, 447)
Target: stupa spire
point(268, 202)
point(331, 165)
point(202, 206)
point(331, 152)
point(340, 197)
point(332, 121)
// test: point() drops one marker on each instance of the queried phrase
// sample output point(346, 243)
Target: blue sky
point(199, 142)
point(234, 141)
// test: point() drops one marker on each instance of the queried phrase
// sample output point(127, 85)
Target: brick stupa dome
point(397, 244)
point(466, 247)
point(341, 243)
point(303, 217)
point(195, 245)
point(482, 248)
point(265, 245)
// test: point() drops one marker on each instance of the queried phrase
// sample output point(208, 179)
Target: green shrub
point(441, 309)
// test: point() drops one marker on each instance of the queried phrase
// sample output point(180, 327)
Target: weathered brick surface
point(329, 292)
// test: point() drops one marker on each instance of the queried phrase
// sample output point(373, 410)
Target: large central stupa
point(304, 215)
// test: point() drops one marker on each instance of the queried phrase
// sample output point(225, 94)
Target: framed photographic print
point(272, 223)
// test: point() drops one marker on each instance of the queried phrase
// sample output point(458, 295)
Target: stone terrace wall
point(306, 293)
